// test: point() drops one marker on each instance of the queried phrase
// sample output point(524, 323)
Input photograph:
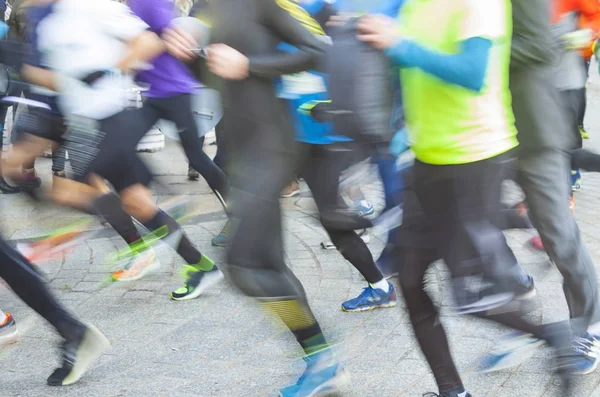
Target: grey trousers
point(549, 212)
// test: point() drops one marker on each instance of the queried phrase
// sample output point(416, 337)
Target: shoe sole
point(10, 338)
point(341, 379)
point(218, 244)
point(370, 308)
point(94, 343)
point(290, 195)
point(211, 279)
point(328, 247)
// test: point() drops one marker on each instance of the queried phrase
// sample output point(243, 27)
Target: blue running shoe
point(371, 298)
point(364, 208)
point(586, 352)
point(511, 351)
point(576, 180)
point(321, 377)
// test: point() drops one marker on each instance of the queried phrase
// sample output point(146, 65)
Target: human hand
point(179, 43)
point(379, 31)
point(227, 62)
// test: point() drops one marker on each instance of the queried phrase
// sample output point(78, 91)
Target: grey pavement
point(223, 345)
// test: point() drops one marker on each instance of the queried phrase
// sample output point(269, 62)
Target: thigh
point(461, 202)
point(544, 177)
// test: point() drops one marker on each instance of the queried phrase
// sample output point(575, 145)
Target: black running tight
point(31, 287)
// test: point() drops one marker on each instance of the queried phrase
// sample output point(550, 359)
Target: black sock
point(185, 248)
point(110, 208)
point(311, 339)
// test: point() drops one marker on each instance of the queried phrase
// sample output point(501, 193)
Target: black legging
point(321, 167)
point(585, 160)
point(26, 282)
point(178, 109)
point(446, 215)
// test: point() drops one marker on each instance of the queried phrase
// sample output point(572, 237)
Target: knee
point(264, 282)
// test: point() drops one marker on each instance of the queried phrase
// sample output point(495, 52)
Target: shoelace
point(368, 293)
point(585, 346)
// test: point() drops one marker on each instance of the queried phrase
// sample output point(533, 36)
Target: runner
point(103, 133)
point(262, 145)
point(322, 156)
point(457, 104)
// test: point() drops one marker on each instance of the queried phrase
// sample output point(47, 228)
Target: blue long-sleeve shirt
point(467, 68)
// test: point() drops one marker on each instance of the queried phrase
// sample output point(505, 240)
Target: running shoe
point(525, 289)
point(479, 297)
point(223, 238)
point(575, 180)
point(322, 377)
point(8, 330)
point(53, 245)
point(291, 190)
point(77, 356)
point(139, 266)
point(512, 350)
point(455, 393)
point(193, 175)
point(196, 282)
point(585, 357)
point(364, 208)
point(370, 299)
point(583, 132)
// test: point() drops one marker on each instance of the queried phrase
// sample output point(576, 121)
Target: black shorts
point(108, 148)
point(42, 123)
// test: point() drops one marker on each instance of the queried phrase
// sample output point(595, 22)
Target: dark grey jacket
point(539, 113)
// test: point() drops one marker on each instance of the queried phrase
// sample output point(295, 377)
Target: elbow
point(476, 84)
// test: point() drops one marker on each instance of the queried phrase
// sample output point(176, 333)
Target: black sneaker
point(193, 175)
point(77, 357)
point(196, 282)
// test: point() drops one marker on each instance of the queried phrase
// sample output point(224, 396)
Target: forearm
point(40, 77)
point(142, 49)
point(466, 69)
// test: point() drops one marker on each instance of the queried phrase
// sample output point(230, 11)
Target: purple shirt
point(169, 76)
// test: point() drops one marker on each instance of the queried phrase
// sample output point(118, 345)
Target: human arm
point(532, 39)
point(142, 45)
point(40, 77)
point(467, 68)
point(294, 30)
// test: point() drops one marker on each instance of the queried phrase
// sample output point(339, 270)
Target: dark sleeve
point(3, 8)
point(533, 42)
point(291, 31)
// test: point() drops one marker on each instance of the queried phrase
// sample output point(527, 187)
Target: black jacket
point(254, 116)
